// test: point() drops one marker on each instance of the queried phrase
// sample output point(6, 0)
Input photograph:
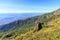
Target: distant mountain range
point(7, 18)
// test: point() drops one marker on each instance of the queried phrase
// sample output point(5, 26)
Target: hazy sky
point(25, 6)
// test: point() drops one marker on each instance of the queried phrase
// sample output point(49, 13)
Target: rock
point(38, 26)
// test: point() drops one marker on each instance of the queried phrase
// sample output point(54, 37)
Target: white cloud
point(21, 11)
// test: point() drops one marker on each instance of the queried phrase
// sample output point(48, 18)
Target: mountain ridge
point(28, 24)
point(42, 18)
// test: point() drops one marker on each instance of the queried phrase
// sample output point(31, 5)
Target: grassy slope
point(50, 33)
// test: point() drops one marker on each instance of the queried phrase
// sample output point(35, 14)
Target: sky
point(28, 6)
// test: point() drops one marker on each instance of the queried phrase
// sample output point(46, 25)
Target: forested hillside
point(22, 29)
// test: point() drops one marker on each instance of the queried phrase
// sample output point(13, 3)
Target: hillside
point(50, 33)
point(50, 30)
